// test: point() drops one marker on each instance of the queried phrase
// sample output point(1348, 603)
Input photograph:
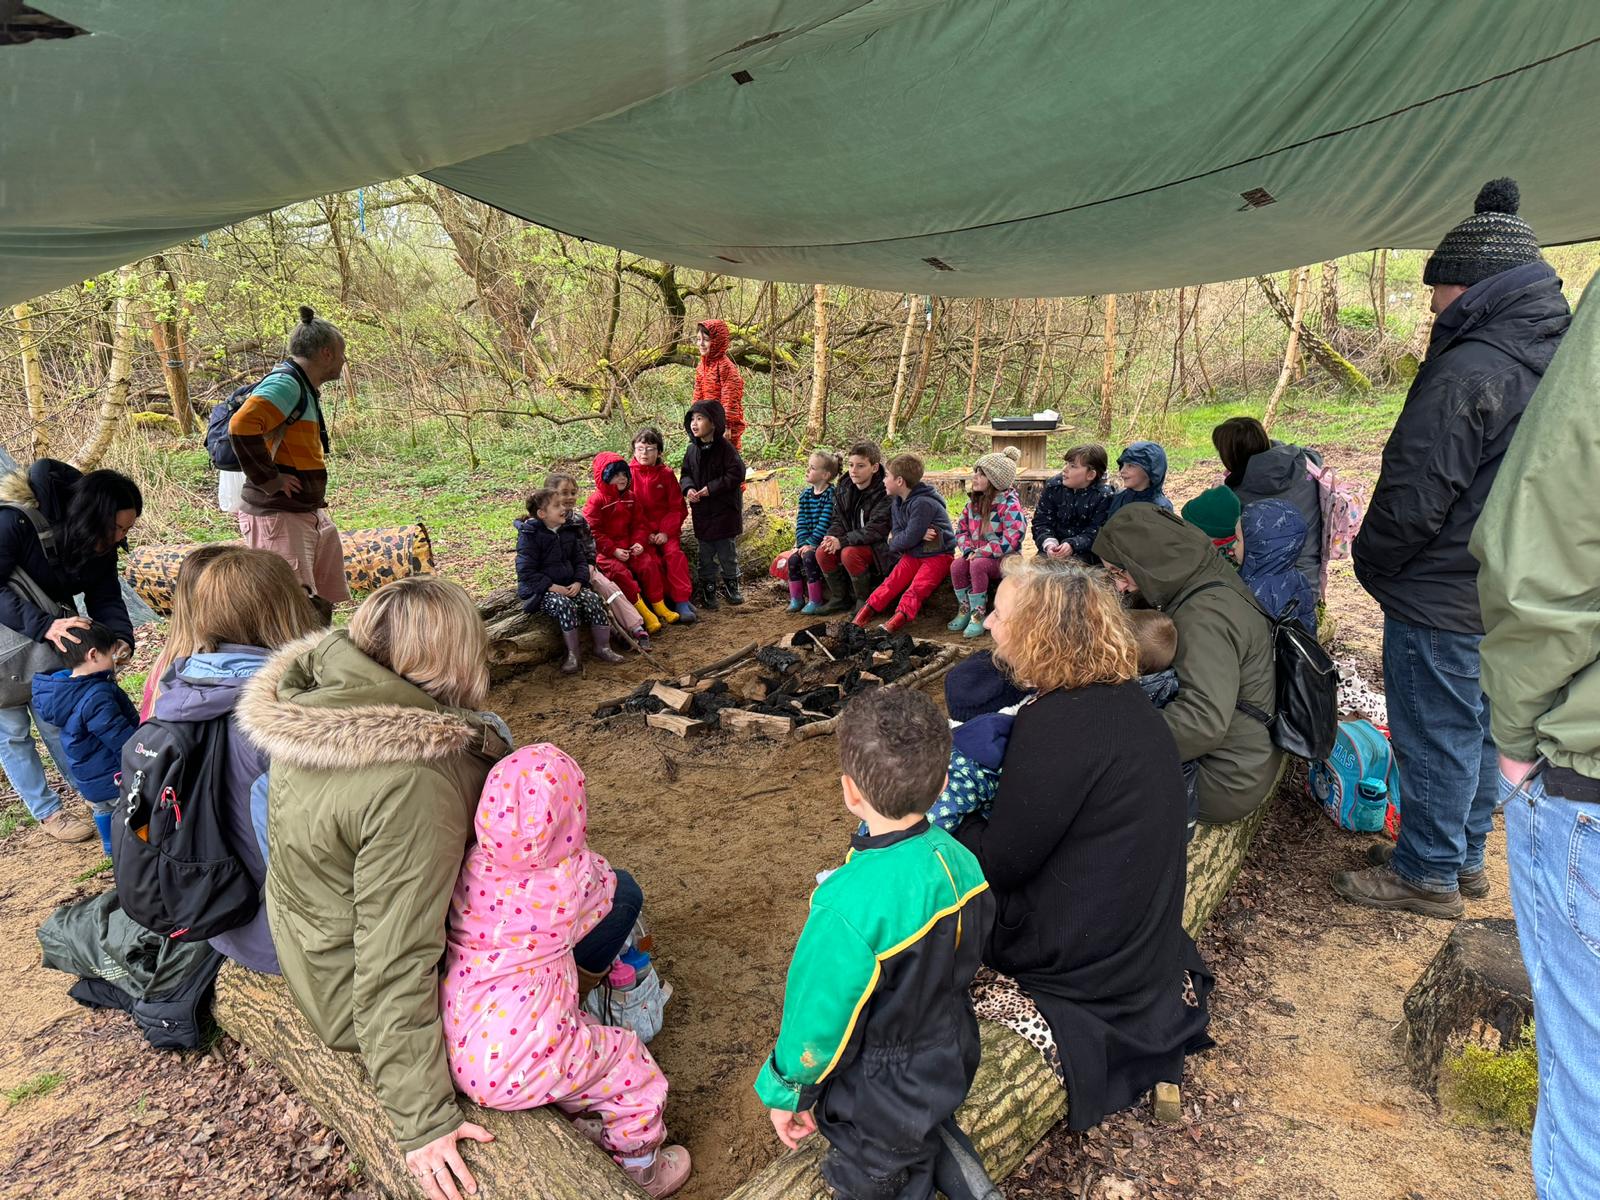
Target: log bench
point(1015, 1099)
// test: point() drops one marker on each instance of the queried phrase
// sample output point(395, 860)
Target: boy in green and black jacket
point(879, 1044)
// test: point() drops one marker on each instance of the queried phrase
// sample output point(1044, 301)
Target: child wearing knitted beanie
point(1215, 512)
point(991, 528)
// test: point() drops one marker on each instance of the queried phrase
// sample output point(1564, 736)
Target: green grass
point(100, 869)
point(14, 817)
point(1494, 1089)
point(39, 1085)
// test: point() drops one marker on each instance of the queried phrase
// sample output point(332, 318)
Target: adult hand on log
point(432, 1165)
point(60, 632)
point(793, 1127)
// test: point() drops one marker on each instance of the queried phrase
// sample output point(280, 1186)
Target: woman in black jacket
point(1084, 851)
point(88, 517)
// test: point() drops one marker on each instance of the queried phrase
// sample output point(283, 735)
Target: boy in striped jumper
point(813, 514)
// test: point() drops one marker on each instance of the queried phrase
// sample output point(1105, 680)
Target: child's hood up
point(711, 409)
point(602, 461)
point(533, 811)
point(717, 336)
point(1151, 457)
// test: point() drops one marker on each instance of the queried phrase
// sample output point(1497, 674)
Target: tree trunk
point(1174, 374)
point(1044, 359)
point(902, 372)
point(977, 350)
point(535, 1153)
point(1380, 301)
point(114, 392)
point(817, 417)
point(32, 380)
point(1108, 365)
point(1330, 300)
point(1302, 280)
point(1475, 990)
point(169, 346)
point(1000, 359)
point(1346, 373)
point(924, 360)
point(1199, 347)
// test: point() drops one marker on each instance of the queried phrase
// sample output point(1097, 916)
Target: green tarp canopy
point(963, 147)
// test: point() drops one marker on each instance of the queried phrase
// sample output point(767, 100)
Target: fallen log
point(1475, 990)
point(766, 535)
point(536, 1153)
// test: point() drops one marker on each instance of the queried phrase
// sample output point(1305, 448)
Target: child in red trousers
point(610, 512)
point(716, 378)
point(920, 532)
point(659, 511)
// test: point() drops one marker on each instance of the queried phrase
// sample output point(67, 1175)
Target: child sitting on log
point(553, 577)
point(659, 513)
point(616, 599)
point(1142, 468)
point(712, 479)
point(1073, 505)
point(878, 1044)
point(528, 892)
point(991, 527)
point(813, 515)
point(1215, 512)
point(920, 532)
point(1157, 639)
point(619, 555)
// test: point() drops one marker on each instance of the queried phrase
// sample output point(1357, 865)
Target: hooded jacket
point(1274, 534)
point(1224, 655)
point(198, 689)
point(716, 378)
point(95, 717)
point(910, 518)
point(547, 558)
point(610, 514)
point(717, 467)
point(1279, 473)
point(370, 805)
point(47, 486)
point(1071, 516)
point(1541, 561)
point(861, 517)
point(1487, 353)
point(1153, 459)
point(658, 504)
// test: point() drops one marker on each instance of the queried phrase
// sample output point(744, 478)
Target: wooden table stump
point(1475, 990)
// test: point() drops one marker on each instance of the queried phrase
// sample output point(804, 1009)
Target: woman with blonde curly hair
point(1084, 851)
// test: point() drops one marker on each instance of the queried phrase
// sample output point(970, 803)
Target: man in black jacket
point(1499, 317)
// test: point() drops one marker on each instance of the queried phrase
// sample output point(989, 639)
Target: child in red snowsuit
point(610, 512)
point(716, 378)
point(659, 511)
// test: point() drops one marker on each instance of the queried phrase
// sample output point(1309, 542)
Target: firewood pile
point(799, 685)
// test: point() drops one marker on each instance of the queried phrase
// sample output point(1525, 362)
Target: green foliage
point(14, 817)
point(39, 1085)
point(1361, 316)
point(100, 869)
point(1495, 1088)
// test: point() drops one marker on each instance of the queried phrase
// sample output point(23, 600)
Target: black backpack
point(218, 442)
point(177, 874)
point(1306, 720)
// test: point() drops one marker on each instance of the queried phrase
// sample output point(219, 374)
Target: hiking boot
point(65, 827)
point(569, 665)
point(708, 597)
point(1474, 885)
point(731, 591)
point(1380, 887)
point(665, 1175)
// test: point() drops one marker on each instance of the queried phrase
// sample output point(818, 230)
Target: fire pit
point(796, 687)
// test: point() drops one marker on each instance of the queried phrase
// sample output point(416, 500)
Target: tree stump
point(534, 1154)
point(1475, 990)
point(517, 640)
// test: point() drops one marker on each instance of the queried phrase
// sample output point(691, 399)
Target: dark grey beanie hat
point(1491, 240)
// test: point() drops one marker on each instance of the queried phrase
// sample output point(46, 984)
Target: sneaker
point(1380, 887)
point(975, 625)
point(732, 592)
point(65, 827)
point(963, 615)
point(668, 1172)
point(1474, 885)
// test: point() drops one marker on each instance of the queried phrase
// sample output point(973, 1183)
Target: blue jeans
point(20, 759)
point(600, 947)
point(1439, 727)
point(1553, 848)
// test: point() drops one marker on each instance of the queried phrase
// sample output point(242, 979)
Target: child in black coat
point(712, 480)
point(553, 577)
point(1074, 505)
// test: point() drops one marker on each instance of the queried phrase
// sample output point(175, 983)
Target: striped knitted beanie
point(1491, 240)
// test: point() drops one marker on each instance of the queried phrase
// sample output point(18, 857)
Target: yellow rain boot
point(651, 624)
point(668, 617)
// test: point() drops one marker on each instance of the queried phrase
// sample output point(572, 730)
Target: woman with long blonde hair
point(1084, 850)
point(180, 638)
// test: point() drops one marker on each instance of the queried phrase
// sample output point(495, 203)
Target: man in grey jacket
point(1499, 317)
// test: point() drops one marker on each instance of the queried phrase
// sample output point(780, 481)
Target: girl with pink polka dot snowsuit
point(529, 890)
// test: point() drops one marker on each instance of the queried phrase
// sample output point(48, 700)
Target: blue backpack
point(218, 442)
point(1358, 784)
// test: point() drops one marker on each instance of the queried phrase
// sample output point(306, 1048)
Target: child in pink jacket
point(529, 890)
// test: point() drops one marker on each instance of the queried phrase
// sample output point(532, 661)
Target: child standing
point(878, 1043)
point(1215, 512)
point(921, 533)
point(716, 378)
point(1073, 506)
point(609, 512)
point(659, 513)
point(529, 890)
point(1157, 638)
point(618, 602)
point(991, 527)
point(1142, 468)
point(854, 556)
point(813, 515)
point(553, 578)
point(713, 483)
point(1274, 535)
point(94, 716)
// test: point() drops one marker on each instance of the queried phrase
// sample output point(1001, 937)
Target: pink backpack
point(1342, 508)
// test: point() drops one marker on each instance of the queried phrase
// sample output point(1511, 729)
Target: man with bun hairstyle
point(1499, 317)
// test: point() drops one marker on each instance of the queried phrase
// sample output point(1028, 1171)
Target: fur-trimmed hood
point(321, 704)
point(45, 484)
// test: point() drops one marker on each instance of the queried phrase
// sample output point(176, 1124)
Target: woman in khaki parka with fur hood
point(377, 764)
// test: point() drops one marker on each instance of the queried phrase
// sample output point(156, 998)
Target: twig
point(820, 646)
point(722, 664)
point(628, 637)
point(772, 791)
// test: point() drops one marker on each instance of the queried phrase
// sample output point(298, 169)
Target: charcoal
point(778, 659)
point(853, 639)
point(708, 704)
point(822, 699)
